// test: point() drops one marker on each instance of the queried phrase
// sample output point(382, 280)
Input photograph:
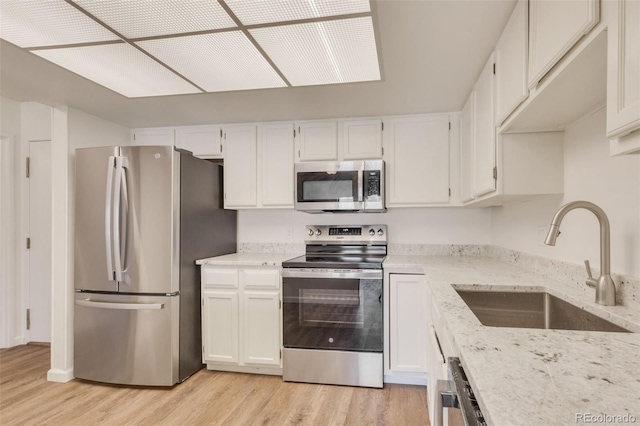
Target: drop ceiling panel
point(48, 22)
point(339, 51)
point(252, 12)
point(216, 62)
point(136, 19)
point(121, 68)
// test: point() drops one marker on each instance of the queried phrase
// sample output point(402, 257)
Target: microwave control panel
point(371, 183)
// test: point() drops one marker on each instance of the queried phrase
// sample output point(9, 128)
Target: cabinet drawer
point(220, 277)
point(260, 278)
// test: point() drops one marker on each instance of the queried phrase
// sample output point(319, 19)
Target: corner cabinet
point(554, 28)
point(241, 319)
point(623, 77)
point(417, 160)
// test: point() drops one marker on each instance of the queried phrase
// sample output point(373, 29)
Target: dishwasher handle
point(457, 393)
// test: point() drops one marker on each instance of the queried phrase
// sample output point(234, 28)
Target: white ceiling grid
point(142, 48)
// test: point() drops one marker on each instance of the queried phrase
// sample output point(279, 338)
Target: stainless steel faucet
point(605, 288)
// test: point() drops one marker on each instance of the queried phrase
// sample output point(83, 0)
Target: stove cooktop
point(335, 262)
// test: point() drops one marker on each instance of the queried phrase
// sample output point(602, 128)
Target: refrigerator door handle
point(120, 306)
point(121, 164)
point(107, 218)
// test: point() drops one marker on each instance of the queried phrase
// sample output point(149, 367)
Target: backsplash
point(627, 287)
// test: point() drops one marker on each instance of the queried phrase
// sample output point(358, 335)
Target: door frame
point(8, 289)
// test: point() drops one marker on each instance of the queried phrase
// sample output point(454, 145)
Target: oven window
point(340, 314)
point(319, 187)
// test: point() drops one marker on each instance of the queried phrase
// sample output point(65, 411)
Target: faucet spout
point(605, 288)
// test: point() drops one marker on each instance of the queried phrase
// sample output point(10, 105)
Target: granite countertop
point(248, 259)
point(529, 376)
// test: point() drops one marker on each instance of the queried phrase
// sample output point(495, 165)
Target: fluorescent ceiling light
point(35, 23)
point(165, 47)
point(119, 67)
point(135, 19)
point(251, 12)
point(339, 51)
point(216, 62)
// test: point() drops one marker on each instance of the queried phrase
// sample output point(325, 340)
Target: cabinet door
point(362, 139)
point(276, 162)
point(484, 147)
point(317, 140)
point(623, 74)
point(261, 327)
point(240, 166)
point(408, 310)
point(203, 141)
point(418, 161)
point(466, 149)
point(511, 63)
point(220, 326)
point(158, 136)
point(554, 27)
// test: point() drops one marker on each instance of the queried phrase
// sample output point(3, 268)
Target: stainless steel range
point(332, 307)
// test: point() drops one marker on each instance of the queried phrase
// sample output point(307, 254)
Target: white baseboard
point(61, 376)
point(405, 380)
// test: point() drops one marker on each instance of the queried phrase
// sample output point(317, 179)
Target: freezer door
point(146, 230)
point(93, 261)
point(131, 340)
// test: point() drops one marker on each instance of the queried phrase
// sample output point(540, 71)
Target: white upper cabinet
point(361, 139)
point(467, 128)
point(623, 77)
point(157, 136)
point(202, 141)
point(484, 136)
point(511, 62)
point(276, 164)
point(240, 168)
point(317, 140)
point(417, 160)
point(554, 27)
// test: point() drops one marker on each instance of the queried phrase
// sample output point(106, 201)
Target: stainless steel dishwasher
point(457, 397)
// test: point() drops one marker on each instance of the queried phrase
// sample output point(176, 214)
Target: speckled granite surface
point(528, 376)
point(248, 259)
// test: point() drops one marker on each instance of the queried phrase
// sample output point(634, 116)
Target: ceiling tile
point(47, 23)
point(134, 19)
point(252, 12)
point(339, 51)
point(216, 62)
point(121, 68)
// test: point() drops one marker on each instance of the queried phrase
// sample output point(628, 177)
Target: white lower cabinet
point(241, 319)
point(408, 309)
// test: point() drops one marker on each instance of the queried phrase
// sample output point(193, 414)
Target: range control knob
point(318, 232)
point(310, 232)
point(380, 232)
point(372, 232)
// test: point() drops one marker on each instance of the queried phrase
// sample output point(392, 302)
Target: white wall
point(10, 330)
point(590, 174)
point(72, 129)
point(407, 226)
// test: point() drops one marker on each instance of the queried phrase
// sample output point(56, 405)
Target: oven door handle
point(367, 274)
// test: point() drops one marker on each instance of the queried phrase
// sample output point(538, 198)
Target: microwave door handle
point(446, 397)
point(360, 185)
point(108, 205)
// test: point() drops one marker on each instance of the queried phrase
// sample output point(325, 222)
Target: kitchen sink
point(532, 310)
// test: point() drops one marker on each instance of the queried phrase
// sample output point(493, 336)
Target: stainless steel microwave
point(340, 186)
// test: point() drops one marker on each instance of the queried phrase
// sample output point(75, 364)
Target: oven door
point(332, 310)
point(329, 186)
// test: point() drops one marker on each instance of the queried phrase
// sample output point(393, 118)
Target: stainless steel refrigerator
point(143, 215)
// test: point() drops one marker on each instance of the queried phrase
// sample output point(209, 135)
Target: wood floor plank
point(206, 398)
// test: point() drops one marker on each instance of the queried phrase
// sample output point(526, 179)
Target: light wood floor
point(208, 397)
